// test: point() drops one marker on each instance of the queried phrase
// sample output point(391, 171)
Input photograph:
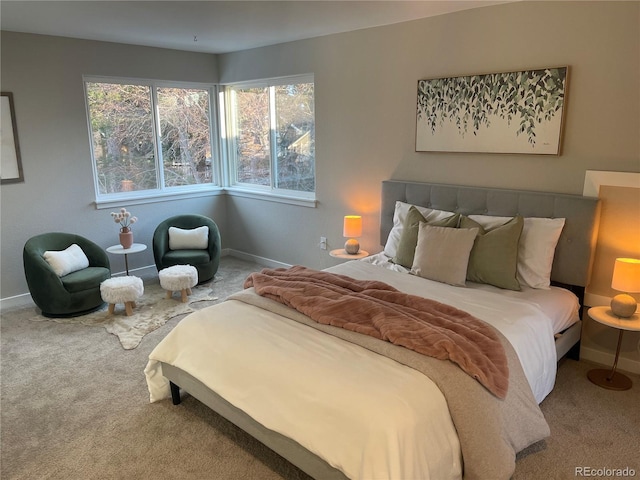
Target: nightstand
point(610, 378)
point(342, 253)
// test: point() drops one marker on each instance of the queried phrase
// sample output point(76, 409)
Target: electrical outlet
point(323, 243)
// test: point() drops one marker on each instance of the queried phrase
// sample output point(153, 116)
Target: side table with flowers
point(125, 219)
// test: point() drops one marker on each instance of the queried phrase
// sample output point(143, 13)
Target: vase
point(126, 239)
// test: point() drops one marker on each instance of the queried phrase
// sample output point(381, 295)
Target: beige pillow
point(189, 239)
point(442, 253)
point(409, 236)
point(494, 257)
point(66, 261)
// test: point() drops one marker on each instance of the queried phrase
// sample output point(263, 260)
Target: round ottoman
point(122, 290)
point(179, 278)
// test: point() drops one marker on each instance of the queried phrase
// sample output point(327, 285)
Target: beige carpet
point(152, 311)
point(75, 406)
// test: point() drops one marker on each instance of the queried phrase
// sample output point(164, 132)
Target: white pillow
point(536, 248)
point(66, 261)
point(189, 239)
point(442, 253)
point(399, 216)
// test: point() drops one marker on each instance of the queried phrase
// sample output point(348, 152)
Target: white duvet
point(368, 416)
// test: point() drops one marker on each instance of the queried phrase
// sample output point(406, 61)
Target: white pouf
point(122, 290)
point(179, 278)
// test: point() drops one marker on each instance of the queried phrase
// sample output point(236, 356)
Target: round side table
point(610, 378)
point(342, 253)
point(118, 250)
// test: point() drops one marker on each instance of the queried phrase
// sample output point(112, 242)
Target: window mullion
point(231, 133)
point(215, 136)
point(273, 137)
point(157, 136)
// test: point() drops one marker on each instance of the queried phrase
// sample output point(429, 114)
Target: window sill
point(301, 201)
point(138, 199)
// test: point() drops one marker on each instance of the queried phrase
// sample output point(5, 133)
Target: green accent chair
point(206, 260)
point(73, 294)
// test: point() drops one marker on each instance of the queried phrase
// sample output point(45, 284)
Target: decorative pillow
point(536, 249)
point(399, 216)
point(494, 257)
point(189, 239)
point(442, 253)
point(409, 236)
point(66, 261)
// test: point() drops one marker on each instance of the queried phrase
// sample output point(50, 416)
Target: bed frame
point(571, 269)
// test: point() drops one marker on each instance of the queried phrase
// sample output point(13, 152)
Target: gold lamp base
point(610, 380)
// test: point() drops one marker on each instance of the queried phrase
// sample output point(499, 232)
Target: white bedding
point(329, 413)
point(560, 305)
point(283, 374)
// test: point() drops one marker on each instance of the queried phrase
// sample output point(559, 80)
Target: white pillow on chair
point(189, 239)
point(66, 261)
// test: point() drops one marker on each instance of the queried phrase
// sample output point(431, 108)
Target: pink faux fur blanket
point(381, 311)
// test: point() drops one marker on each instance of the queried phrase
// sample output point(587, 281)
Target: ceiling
point(213, 26)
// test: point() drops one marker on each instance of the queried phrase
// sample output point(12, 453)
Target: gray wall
point(365, 110)
point(45, 76)
point(365, 121)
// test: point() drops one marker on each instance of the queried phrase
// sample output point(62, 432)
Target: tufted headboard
point(575, 250)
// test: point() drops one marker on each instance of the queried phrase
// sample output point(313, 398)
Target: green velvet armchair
point(73, 294)
point(205, 258)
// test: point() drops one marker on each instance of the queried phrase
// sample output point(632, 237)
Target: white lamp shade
point(352, 226)
point(626, 275)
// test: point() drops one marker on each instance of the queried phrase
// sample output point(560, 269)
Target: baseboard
point(267, 262)
point(17, 301)
point(25, 300)
point(593, 300)
point(607, 359)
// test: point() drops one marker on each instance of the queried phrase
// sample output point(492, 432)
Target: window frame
point(229, 145)
point(163, 192)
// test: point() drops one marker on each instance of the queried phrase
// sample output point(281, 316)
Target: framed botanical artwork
point(11, 165)
point(513, 112)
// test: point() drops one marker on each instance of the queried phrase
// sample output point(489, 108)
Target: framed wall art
point(11, 165)
point(513, 112)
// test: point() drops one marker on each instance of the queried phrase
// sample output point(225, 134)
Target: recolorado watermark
point(606, 472)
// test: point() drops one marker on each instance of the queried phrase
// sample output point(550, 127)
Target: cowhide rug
point(152, 311)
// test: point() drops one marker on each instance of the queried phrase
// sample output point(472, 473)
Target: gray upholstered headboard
point(574, 252)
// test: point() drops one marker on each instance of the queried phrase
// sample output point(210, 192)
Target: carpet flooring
point(74, 405)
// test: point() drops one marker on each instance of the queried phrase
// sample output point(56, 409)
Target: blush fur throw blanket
point(381, 311)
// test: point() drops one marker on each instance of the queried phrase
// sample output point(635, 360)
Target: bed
point(339, 404)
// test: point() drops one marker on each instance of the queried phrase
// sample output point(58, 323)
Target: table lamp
point(626, 278)
point(352, 229)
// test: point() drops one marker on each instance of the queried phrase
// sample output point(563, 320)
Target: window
point(271, 137)
point(148, 139)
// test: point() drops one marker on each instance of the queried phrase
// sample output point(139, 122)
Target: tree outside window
point(130, 155)
point(273, 136)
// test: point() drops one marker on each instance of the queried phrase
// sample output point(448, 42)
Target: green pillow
point(494, 256)
point(409, 237)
